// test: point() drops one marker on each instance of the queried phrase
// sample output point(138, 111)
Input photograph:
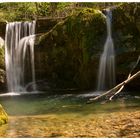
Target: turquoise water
point(69, 115)
point(37, 104)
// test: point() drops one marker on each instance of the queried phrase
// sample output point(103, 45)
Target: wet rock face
point(125, 27)
point(45, 24)
point(2, 79)
point(2, 29)
point(126, 35)
point(2, 67)
point(42, 25)
point(68, 54)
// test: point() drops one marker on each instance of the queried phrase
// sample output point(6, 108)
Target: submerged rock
point(122, 124)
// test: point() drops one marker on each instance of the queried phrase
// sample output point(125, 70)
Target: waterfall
point(106, 77)
point(19, 46)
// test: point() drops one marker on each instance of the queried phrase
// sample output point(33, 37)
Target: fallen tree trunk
point(129, 75)
point(117, 89)
point(111, 91)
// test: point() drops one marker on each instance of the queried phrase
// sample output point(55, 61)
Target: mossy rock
point(126, 36)
point(2, 57)
point(125, 30)
point(46, 24)
point(2, 69)
point(68, 52)
point(3, 116)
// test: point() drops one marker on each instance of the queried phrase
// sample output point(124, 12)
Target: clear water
point(43, 115)
point(38, 104)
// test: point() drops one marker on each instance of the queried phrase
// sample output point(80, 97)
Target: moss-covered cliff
point(126, 35)
point(69, 52)
point(2, 66)
point(2, 29)
point(68, 55)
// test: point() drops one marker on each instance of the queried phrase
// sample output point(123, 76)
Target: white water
point(1, 42)
point(19, 45)
point(106, 77)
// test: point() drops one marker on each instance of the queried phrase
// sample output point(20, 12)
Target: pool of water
point(43, 115)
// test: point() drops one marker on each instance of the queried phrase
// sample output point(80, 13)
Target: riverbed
point(42, 115)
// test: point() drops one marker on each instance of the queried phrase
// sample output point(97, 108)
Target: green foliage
point(42, 8)
point(15, 11)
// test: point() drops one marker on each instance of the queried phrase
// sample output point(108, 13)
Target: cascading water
point(19, 44)
point(106, 77)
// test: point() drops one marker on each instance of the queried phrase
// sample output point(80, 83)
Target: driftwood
point(118, 86)
point(129, 75)
point(117, 89)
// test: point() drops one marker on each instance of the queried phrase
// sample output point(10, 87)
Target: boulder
point(2, 66)
point(68, 54)
point(3, 116)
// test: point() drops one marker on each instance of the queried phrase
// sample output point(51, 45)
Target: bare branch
point(117, 87)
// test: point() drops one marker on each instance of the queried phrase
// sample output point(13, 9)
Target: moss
point(3, 116)
point(2, 61)
point(2, 68)
point(69, 48)
point(125, 30)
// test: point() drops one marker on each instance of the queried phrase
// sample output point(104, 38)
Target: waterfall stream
point(19, 49)
point(106, 77)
